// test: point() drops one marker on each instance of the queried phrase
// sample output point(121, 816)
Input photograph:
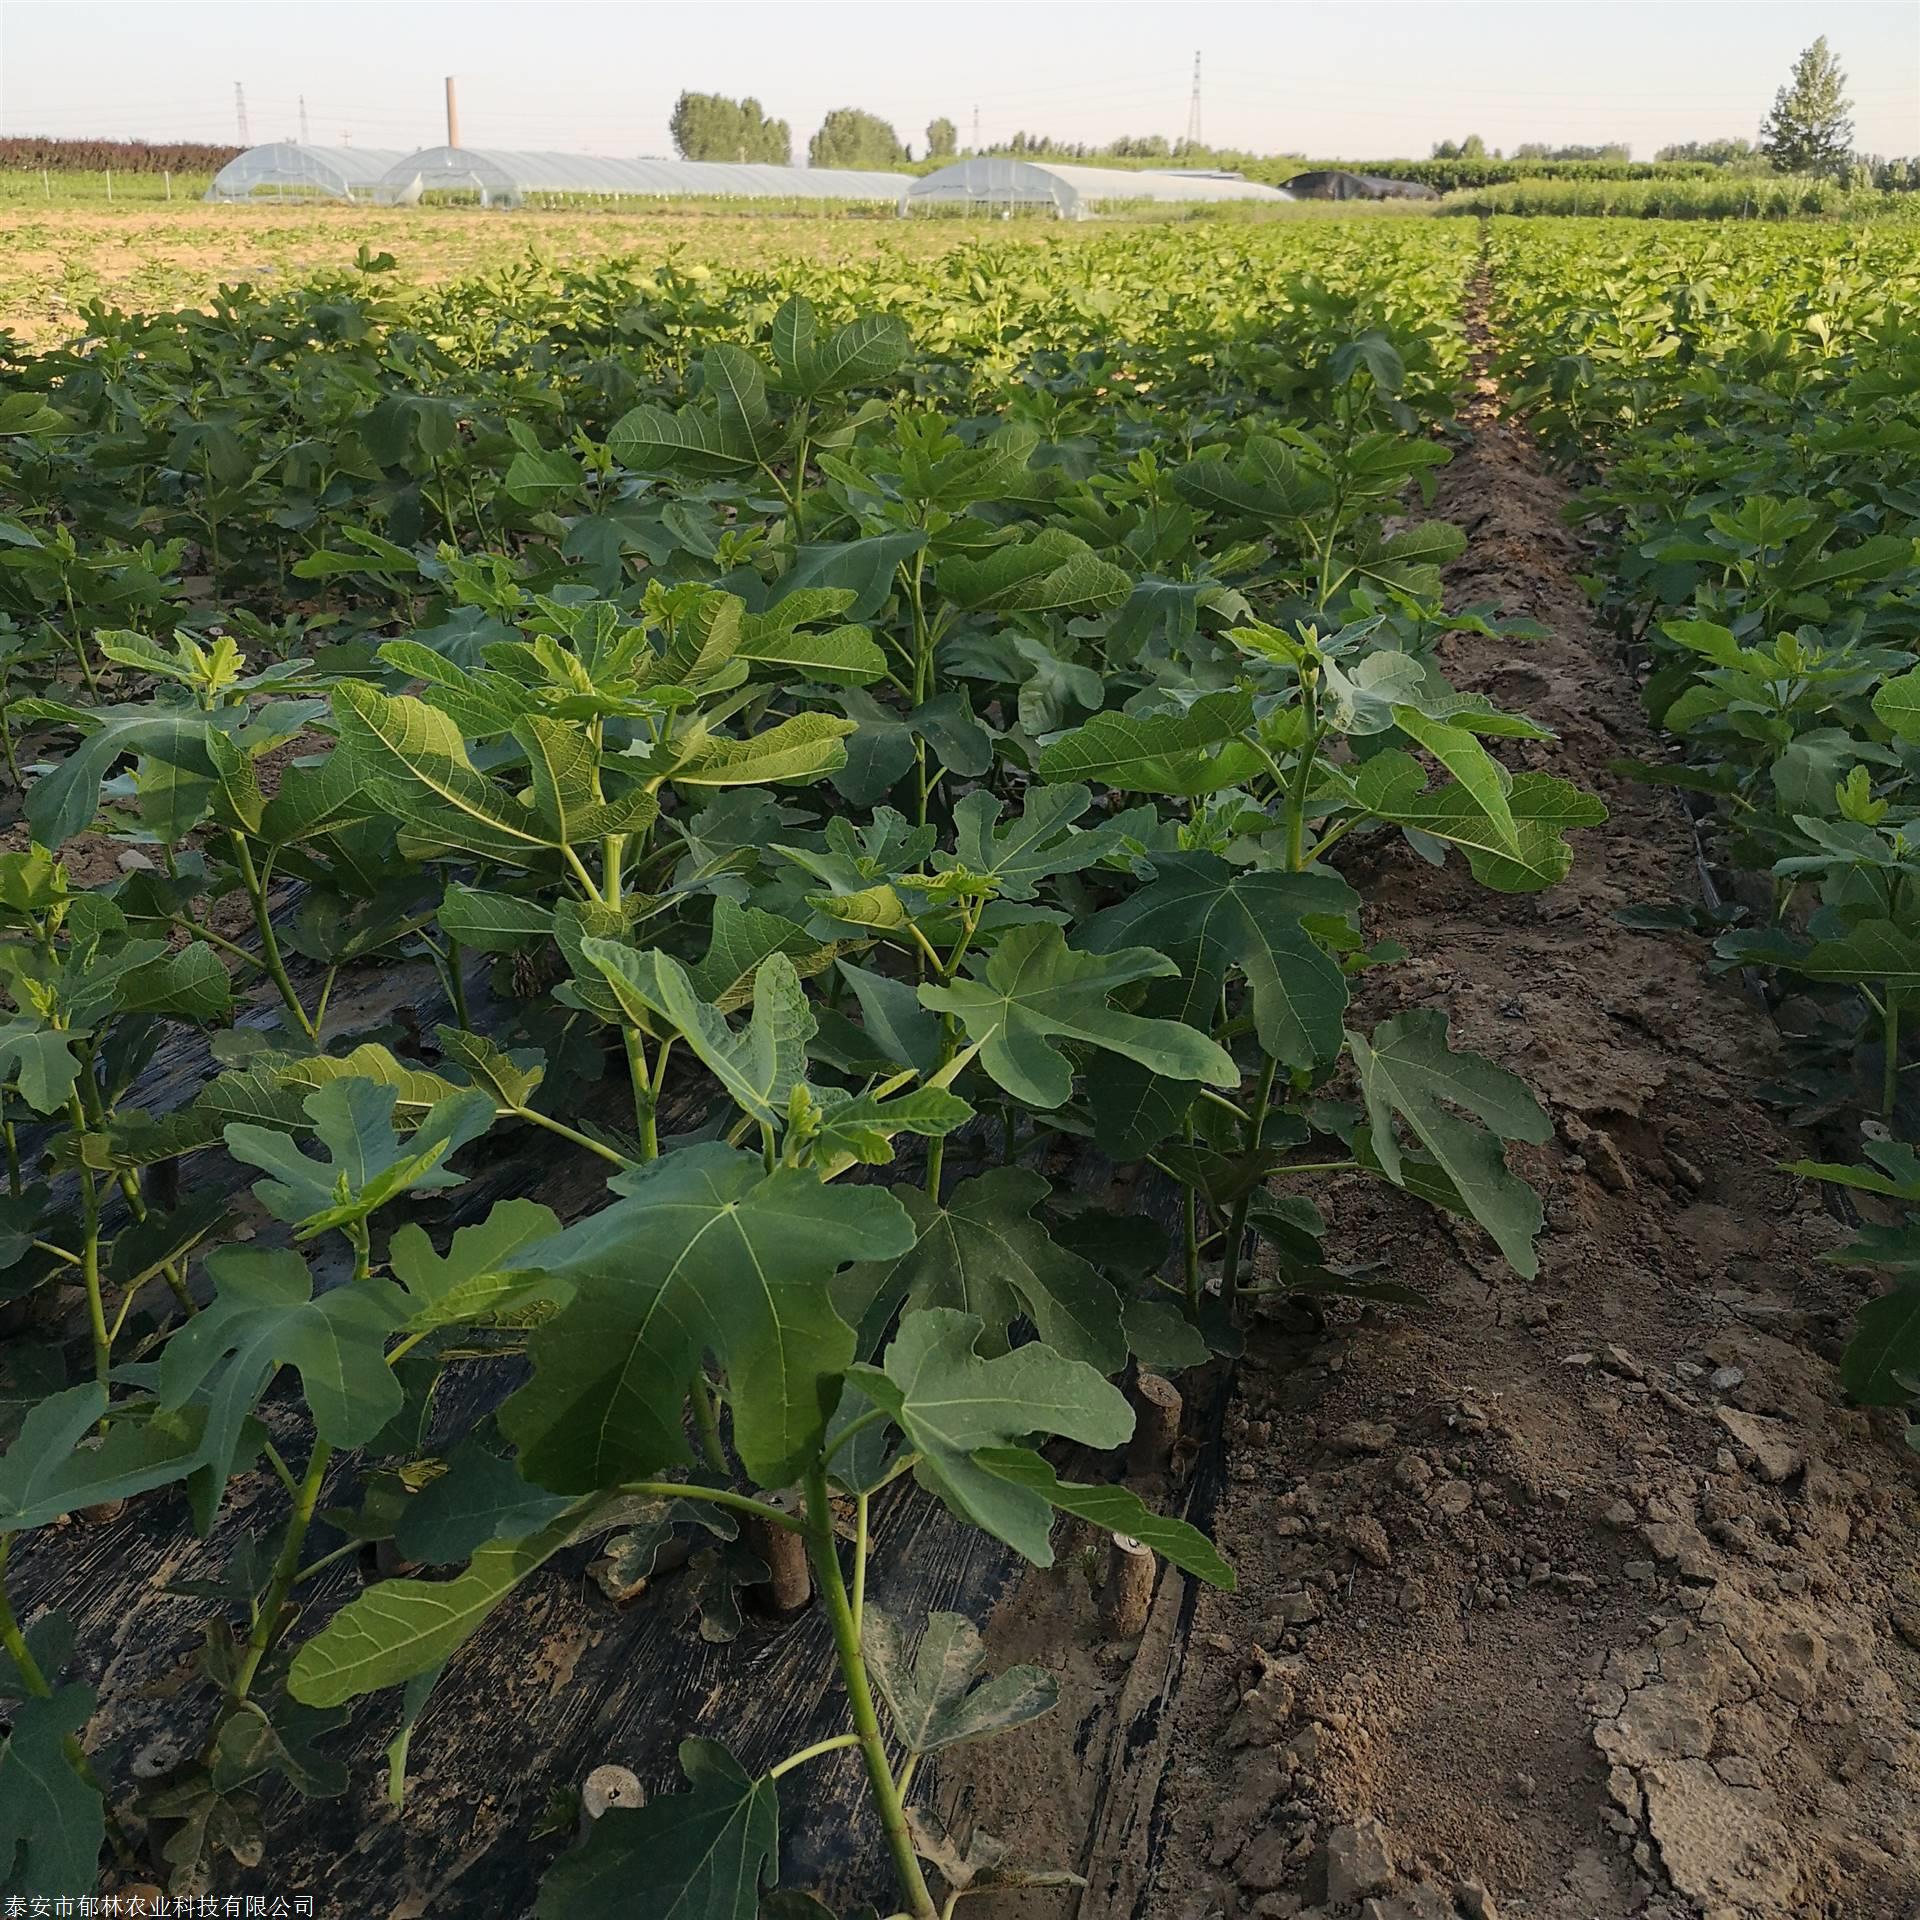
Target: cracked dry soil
point(1573, 1599)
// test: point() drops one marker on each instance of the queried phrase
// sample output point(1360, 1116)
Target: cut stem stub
point(789, 1584)
point(1128, 1591)
point(1157, 1407)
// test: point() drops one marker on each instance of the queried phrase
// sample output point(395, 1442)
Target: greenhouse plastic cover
point(997, 181)
point(507, 176)
point(287, 166)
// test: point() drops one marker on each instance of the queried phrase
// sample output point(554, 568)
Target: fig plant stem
point(33, 1678)
point(286, 1569)
point(270, 956)
point(838, 1744)
point(1890, 1065)
point(866, 1721)
point(1237, 1223)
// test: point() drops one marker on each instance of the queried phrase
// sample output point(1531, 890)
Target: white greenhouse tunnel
point(287, 170)
point(495, 177)
point(992, 180)
point(505, 178)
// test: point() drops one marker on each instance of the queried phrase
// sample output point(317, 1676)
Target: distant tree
point(769, 142)
point(1133, 148)
point(1713, 153)
point(1473, 148)
point(851, 137)
point(1446, 150)
point(709, 126)
point(1898, 174)
point(1617, 150)
point(1810, 129)
point(943, 138)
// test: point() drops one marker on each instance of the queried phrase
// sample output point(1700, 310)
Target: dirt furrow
point(1579, 1597)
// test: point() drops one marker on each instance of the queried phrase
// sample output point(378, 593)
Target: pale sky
point(1350, 79)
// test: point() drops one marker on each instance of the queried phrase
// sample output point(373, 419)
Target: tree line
point(710, 126)
point(1808, 130)
point(26, 154)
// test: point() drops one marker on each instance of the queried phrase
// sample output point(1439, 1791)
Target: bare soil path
point(1577, 1598)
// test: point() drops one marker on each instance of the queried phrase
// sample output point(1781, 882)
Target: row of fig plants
point(951, 794)
point(1750, 401)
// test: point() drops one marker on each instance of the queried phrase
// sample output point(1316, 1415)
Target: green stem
point(613, 852)
point(838, 1744)
point(281, 1471)
point(1190, 1224)
point(233, 947)
point(925, 946)
point(863, 1513)
point(397, 1766)
point(209, 516)
point(796, 501)
point(269, 941)
point(457, 986)
point(937, 1146)
point(79, 646)
point(923, 673)
point(286, 1569)
point(326, 994)
point(871, 1418)
point(1302, 782)
point(581, 874)
point(646, 1110)
point(716, 1496)
point(1221, 1101)
point(853, 1673)
point(1890, 1066)
point(922, 652)
point(34, 1678)
point(172, 1271)
point(568, 1133)
point(327, 1559)
point(1237, 1224)
point(1332, 838)
point(14, 1640)
point(90, 1258)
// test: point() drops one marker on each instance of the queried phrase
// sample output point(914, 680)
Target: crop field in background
point(884, 761)
point(57, 261)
